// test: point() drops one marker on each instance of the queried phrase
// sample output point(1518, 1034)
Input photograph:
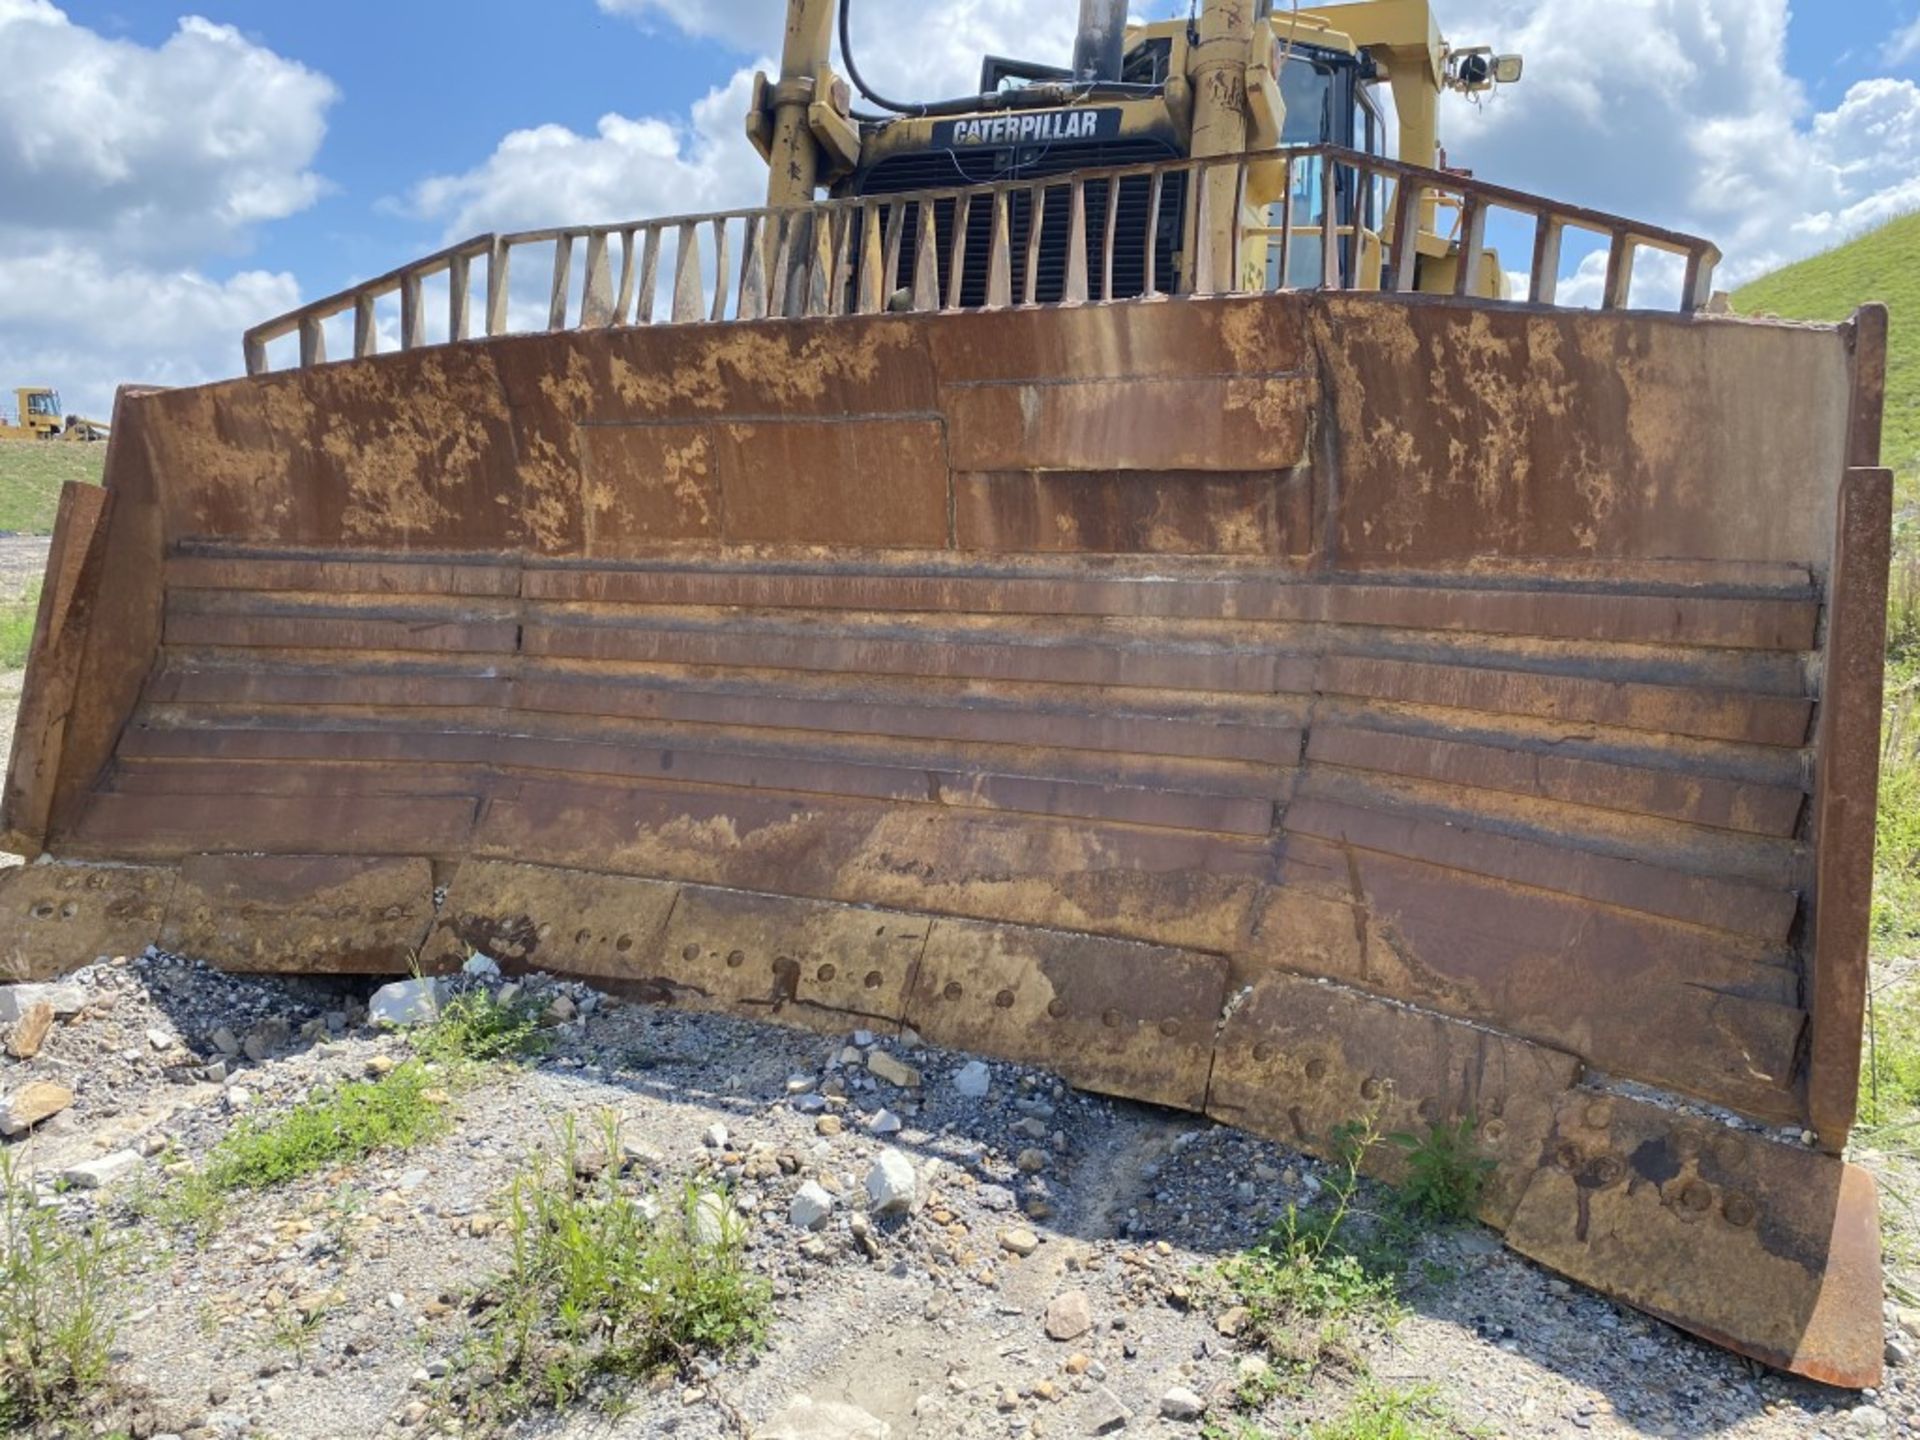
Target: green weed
point(17, 619)
point(1319, 1273)
point(598, 1293)
point(1446, 1173)
point(57, 1313)
point(476, 1027)
point(295, 1332)
point(336, 1127)
point(1378, 1414)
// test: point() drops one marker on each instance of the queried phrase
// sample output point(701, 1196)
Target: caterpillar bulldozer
point(1106, 572)
point(41, 418)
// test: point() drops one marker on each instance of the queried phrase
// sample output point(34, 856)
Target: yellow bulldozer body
point(1290, 699)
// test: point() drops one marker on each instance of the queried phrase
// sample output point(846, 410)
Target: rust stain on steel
point(59, 639)
point(1126, 512)
point(1846, 801)
point(537, 917)
point(1768, 1249)
point(275, 913)
point(1516, 433)
point(818, 966)
point(1229, 423)
point(1634, 996)
point(1120, 1018)
point(1298, 1059)
point(59, 915)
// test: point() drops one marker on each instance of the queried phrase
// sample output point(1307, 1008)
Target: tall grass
point(17, 618)
point(1890, 1076)
point(58, 1307)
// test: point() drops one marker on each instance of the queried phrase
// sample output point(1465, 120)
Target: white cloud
point(1902, 45)
point(71, 318)
point(125, 170)
point(629, 169)
point(165, 151)
point(1683, 113)
point(908, 51)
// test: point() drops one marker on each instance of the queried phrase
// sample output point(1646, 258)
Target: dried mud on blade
point(1289, 708)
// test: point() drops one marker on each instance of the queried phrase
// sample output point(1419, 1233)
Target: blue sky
point(172, 179)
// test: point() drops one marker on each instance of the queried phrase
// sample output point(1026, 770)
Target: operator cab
point(1331, 100)
point(46, 403)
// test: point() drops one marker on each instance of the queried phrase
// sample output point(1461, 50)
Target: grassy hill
point(31, 474)
point(1881, 265)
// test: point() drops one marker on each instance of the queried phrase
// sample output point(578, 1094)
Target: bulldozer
point(1106, 572)
point(42, 418)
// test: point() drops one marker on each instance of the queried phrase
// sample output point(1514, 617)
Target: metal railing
point(1127, 235)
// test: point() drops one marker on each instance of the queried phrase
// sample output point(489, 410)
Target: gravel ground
point(929, 1323)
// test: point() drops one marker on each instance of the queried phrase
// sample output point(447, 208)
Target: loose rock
point(894, 1072)
point(98, 1174)
point(65, 1000)
point(715, 1222)
point(1105, 1415)
point(810, 1208)
point(405, 1003)
point(1069, 1316)
point(30, 1031)
point(805, 1419)
point(31, 1104)
point(891, 1184)
point(1020, 1241)
point(1182, 1404)
point(973, 1080)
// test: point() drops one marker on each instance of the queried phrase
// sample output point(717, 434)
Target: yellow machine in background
point(41, 418)
point(1235, 79)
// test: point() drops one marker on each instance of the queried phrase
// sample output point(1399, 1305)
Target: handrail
point(840, 257)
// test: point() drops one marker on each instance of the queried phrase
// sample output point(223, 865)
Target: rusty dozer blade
point(1291, 708)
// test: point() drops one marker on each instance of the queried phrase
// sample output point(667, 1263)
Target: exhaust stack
point(1100, 48)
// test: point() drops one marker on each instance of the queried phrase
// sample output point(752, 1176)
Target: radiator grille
point(933, 169)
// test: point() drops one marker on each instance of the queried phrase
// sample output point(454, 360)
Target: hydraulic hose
point(1032, 97)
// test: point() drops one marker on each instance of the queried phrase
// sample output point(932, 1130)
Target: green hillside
point(1881, 265)
point(31, 474)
